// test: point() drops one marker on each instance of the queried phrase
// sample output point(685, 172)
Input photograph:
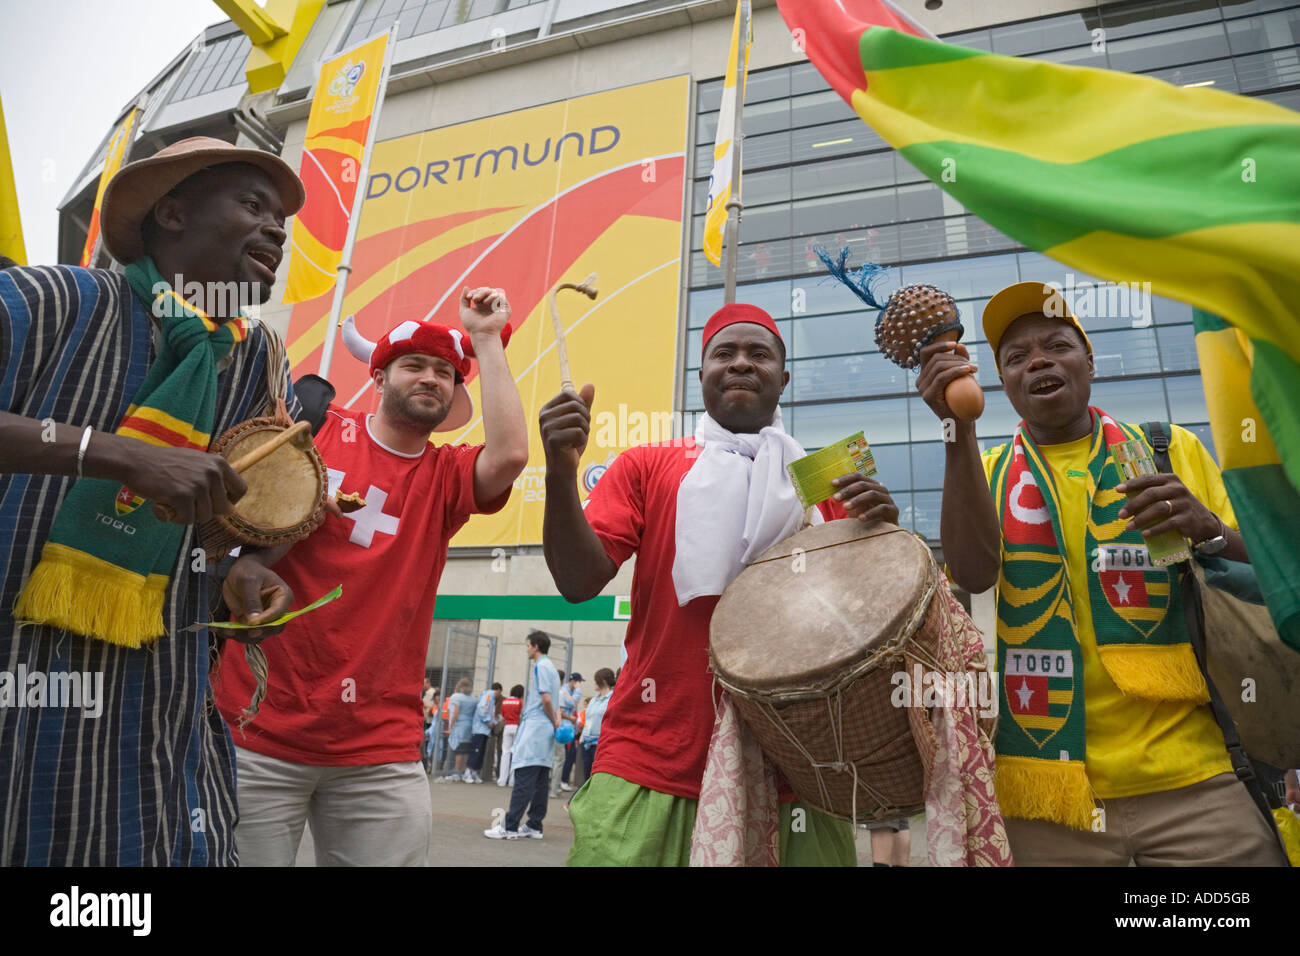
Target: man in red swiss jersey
point(685, 509)
point(336, 740)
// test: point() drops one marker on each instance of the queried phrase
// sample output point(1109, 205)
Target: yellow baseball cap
point(1026, 298)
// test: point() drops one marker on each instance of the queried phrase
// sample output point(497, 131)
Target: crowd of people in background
point(471, 740)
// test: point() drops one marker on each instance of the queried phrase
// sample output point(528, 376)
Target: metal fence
point(465, 653)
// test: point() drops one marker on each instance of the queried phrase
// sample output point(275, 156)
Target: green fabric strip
point(619, 823)
point(1274, 385)
point(528, 607)
point(1153, 189)
point(882, 48)
point(1203, 321)
point(1268, 513)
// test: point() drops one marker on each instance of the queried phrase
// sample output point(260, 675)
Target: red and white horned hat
point(427, 338)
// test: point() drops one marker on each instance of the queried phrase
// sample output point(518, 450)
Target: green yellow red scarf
point(105, 567)
point(1141, 638)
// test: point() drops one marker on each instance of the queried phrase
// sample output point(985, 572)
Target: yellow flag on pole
point(113, 157)
point(720, 181)
point(11, 227)
point(338, 130)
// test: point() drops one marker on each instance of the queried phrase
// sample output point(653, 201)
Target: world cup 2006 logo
point(347, 78)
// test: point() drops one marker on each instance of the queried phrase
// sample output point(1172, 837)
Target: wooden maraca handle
point(964, 396)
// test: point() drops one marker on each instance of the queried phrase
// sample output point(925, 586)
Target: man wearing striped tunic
point(112, 754)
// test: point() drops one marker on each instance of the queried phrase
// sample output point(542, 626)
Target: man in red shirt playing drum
point(686, 509)
point(336, 740)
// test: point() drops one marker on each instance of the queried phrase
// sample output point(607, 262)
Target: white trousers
point(507, 745)
point(376, 815)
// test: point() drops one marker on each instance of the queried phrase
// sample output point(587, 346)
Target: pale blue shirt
point(485, 713)
point(570, 698)
point(460, 730)
point(535, 740)
point(595, 714)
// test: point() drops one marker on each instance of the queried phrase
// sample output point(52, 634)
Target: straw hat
point(137, 186)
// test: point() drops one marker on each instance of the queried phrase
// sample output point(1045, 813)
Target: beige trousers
point(377, 815)
point(1211, 823)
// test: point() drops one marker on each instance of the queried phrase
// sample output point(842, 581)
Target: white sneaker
point(566, 788)
point(525, 831)
point(467, 776)
point(499, 832)
point(475, 778)
point(452, 778)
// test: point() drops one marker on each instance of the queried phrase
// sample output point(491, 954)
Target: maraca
point(912, 318)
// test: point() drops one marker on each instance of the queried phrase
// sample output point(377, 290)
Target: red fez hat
point(733, 314)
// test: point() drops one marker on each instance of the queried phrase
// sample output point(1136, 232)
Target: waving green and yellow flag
point(1129, 178)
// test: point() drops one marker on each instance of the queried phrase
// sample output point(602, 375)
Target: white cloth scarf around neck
point(734, 504)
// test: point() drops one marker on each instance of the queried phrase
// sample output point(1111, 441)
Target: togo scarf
point(105, 567)
point(1135, 613)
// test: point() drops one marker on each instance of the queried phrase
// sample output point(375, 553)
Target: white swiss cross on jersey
point(370, 519)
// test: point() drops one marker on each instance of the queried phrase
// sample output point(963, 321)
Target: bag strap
point(1157, 434)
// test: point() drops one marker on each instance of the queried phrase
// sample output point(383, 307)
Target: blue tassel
point(862, 281)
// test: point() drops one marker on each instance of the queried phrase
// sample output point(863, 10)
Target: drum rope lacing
point(901, 647)
point(835, 713)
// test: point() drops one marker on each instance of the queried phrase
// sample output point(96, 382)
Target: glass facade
point(219, 65)
point(424, 16)
point(815, 174)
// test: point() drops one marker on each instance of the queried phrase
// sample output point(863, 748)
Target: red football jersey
point(342, 677)
point(657, 727)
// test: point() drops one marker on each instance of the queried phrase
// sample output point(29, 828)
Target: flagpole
point(734, 204)
point(345, 260)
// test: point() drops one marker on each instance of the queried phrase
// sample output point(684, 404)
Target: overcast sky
point(67, 69)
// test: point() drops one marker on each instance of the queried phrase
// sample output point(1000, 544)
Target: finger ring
point(1171, 505)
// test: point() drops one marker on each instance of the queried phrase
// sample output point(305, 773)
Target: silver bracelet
point(81, 451)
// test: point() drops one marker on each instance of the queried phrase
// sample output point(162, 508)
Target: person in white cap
point(336, 741)
point(110, 386)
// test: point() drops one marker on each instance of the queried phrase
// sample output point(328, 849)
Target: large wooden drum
point(808, 640)
point(286, 491)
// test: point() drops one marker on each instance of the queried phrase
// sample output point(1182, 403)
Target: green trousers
point(618, 823)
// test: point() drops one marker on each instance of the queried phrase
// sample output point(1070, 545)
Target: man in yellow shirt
point(1108, 752)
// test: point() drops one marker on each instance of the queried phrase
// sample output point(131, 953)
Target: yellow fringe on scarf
point(87, 595)
point(1156, 671)
point(1288, 827)
point(1055, 790)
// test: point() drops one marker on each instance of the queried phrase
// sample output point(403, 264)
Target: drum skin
point(285, 500)
point(807, 641)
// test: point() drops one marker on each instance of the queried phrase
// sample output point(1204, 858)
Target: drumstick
point(261, 451)
point(293, 434)
point(588, 288)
